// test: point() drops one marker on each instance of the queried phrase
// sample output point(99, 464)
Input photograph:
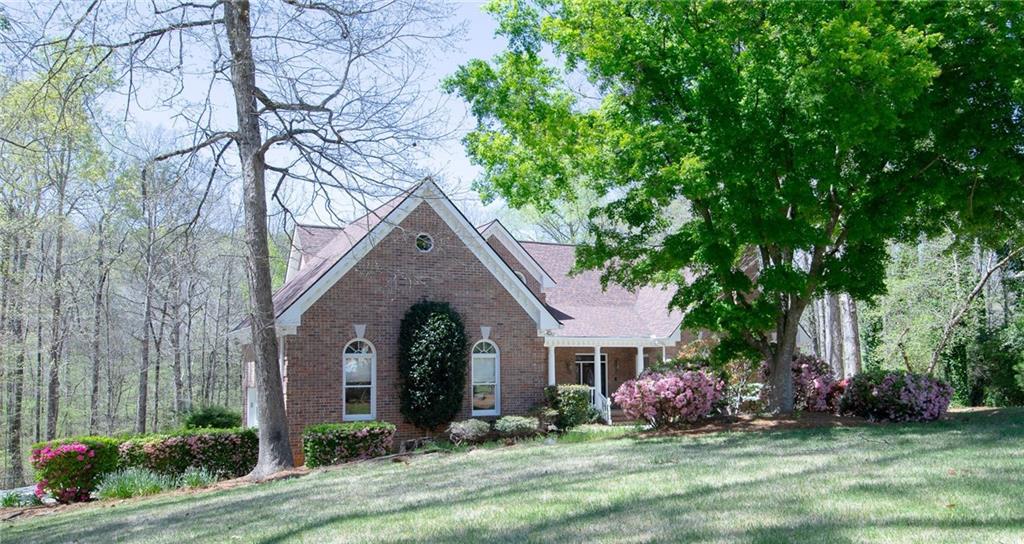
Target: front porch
point(571, 361)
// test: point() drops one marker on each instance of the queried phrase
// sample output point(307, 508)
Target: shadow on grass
point(752, 487)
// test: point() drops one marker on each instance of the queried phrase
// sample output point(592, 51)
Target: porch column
point(551, 365)
point(663, 358)
point(639, 360)
point(598, 369)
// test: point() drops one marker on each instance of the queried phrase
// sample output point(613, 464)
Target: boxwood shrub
point(69, 469)
point(469, 431)
point(212, 417)
point(572, 402)
point(229, 453)
point(516, 426)
point(333, 443)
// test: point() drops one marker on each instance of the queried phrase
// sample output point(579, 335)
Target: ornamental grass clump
point(670, 398)
point(895, 395)
point(133, 482)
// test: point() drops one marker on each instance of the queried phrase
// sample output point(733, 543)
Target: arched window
point(359, 392)
point(486, 379)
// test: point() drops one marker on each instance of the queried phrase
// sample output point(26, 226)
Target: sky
point(146, 114)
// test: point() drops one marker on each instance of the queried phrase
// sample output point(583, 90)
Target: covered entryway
point(572, 361)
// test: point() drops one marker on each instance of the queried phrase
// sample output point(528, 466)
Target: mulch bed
point(748, 423)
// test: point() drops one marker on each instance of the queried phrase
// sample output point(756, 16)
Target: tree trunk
point(275, 452)
point(158, 342)
point(851, 337)
point(39, 344)
point(835, 334)
point(16, 324)
point(780, 377)
point(101, 280)
point(147, 315)
point(176, 326)
point(56, 334)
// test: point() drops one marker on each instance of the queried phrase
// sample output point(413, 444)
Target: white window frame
point(497, 378)
point(373, 382)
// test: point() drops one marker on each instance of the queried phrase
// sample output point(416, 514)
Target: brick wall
point(377, 292)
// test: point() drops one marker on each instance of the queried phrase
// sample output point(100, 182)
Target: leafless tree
point(323, 93)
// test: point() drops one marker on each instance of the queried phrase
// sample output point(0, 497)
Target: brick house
point(529, 323)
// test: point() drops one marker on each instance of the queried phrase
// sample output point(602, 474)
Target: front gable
point(430, 196)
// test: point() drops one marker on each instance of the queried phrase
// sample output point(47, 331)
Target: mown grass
point(953, 481)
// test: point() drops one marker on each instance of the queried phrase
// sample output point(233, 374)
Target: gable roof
point(587, 310)
point(498, 231)
point(325, 262)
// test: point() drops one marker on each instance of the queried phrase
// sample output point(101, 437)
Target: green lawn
point(953, 481)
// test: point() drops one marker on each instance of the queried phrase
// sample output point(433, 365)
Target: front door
point(585, 362)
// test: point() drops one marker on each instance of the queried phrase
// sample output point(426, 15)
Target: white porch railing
point(601, 404)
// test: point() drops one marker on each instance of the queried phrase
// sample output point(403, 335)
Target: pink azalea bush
point(671, 397)
point(226, 452)
point(896, 396)
point(69, 470)
point(815, 387)
point(333, 443)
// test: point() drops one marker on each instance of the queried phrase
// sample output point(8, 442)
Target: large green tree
point(802, 135)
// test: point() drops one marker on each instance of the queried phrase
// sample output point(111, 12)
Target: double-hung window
point(486, 379)
point(359, 387)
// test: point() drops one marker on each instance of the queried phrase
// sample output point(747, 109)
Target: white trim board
point(497, 230)
point(429, 193)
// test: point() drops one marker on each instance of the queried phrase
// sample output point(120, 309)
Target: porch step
point(618, 416)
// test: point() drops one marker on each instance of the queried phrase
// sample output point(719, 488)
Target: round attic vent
point(424, 242)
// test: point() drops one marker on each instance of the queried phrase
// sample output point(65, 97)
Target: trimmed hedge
point(228, 453)
point(333, 443)
point(432, 356)
point(69, 469)
point(516, 426)
point(572, 402)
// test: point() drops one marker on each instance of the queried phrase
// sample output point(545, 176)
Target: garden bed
point(749, 423)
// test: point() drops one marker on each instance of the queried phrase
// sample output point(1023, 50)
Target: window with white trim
point(486, 369)
point(359, 392)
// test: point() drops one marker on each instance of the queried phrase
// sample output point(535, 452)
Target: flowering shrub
point(69, 469)
point(813, 383)
point(468, 432)
point(895, 396)
point(227, 452)
point(572, 402)
point(516, 426)
point(670, 398)
point(815, 388)
point(332, 443)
